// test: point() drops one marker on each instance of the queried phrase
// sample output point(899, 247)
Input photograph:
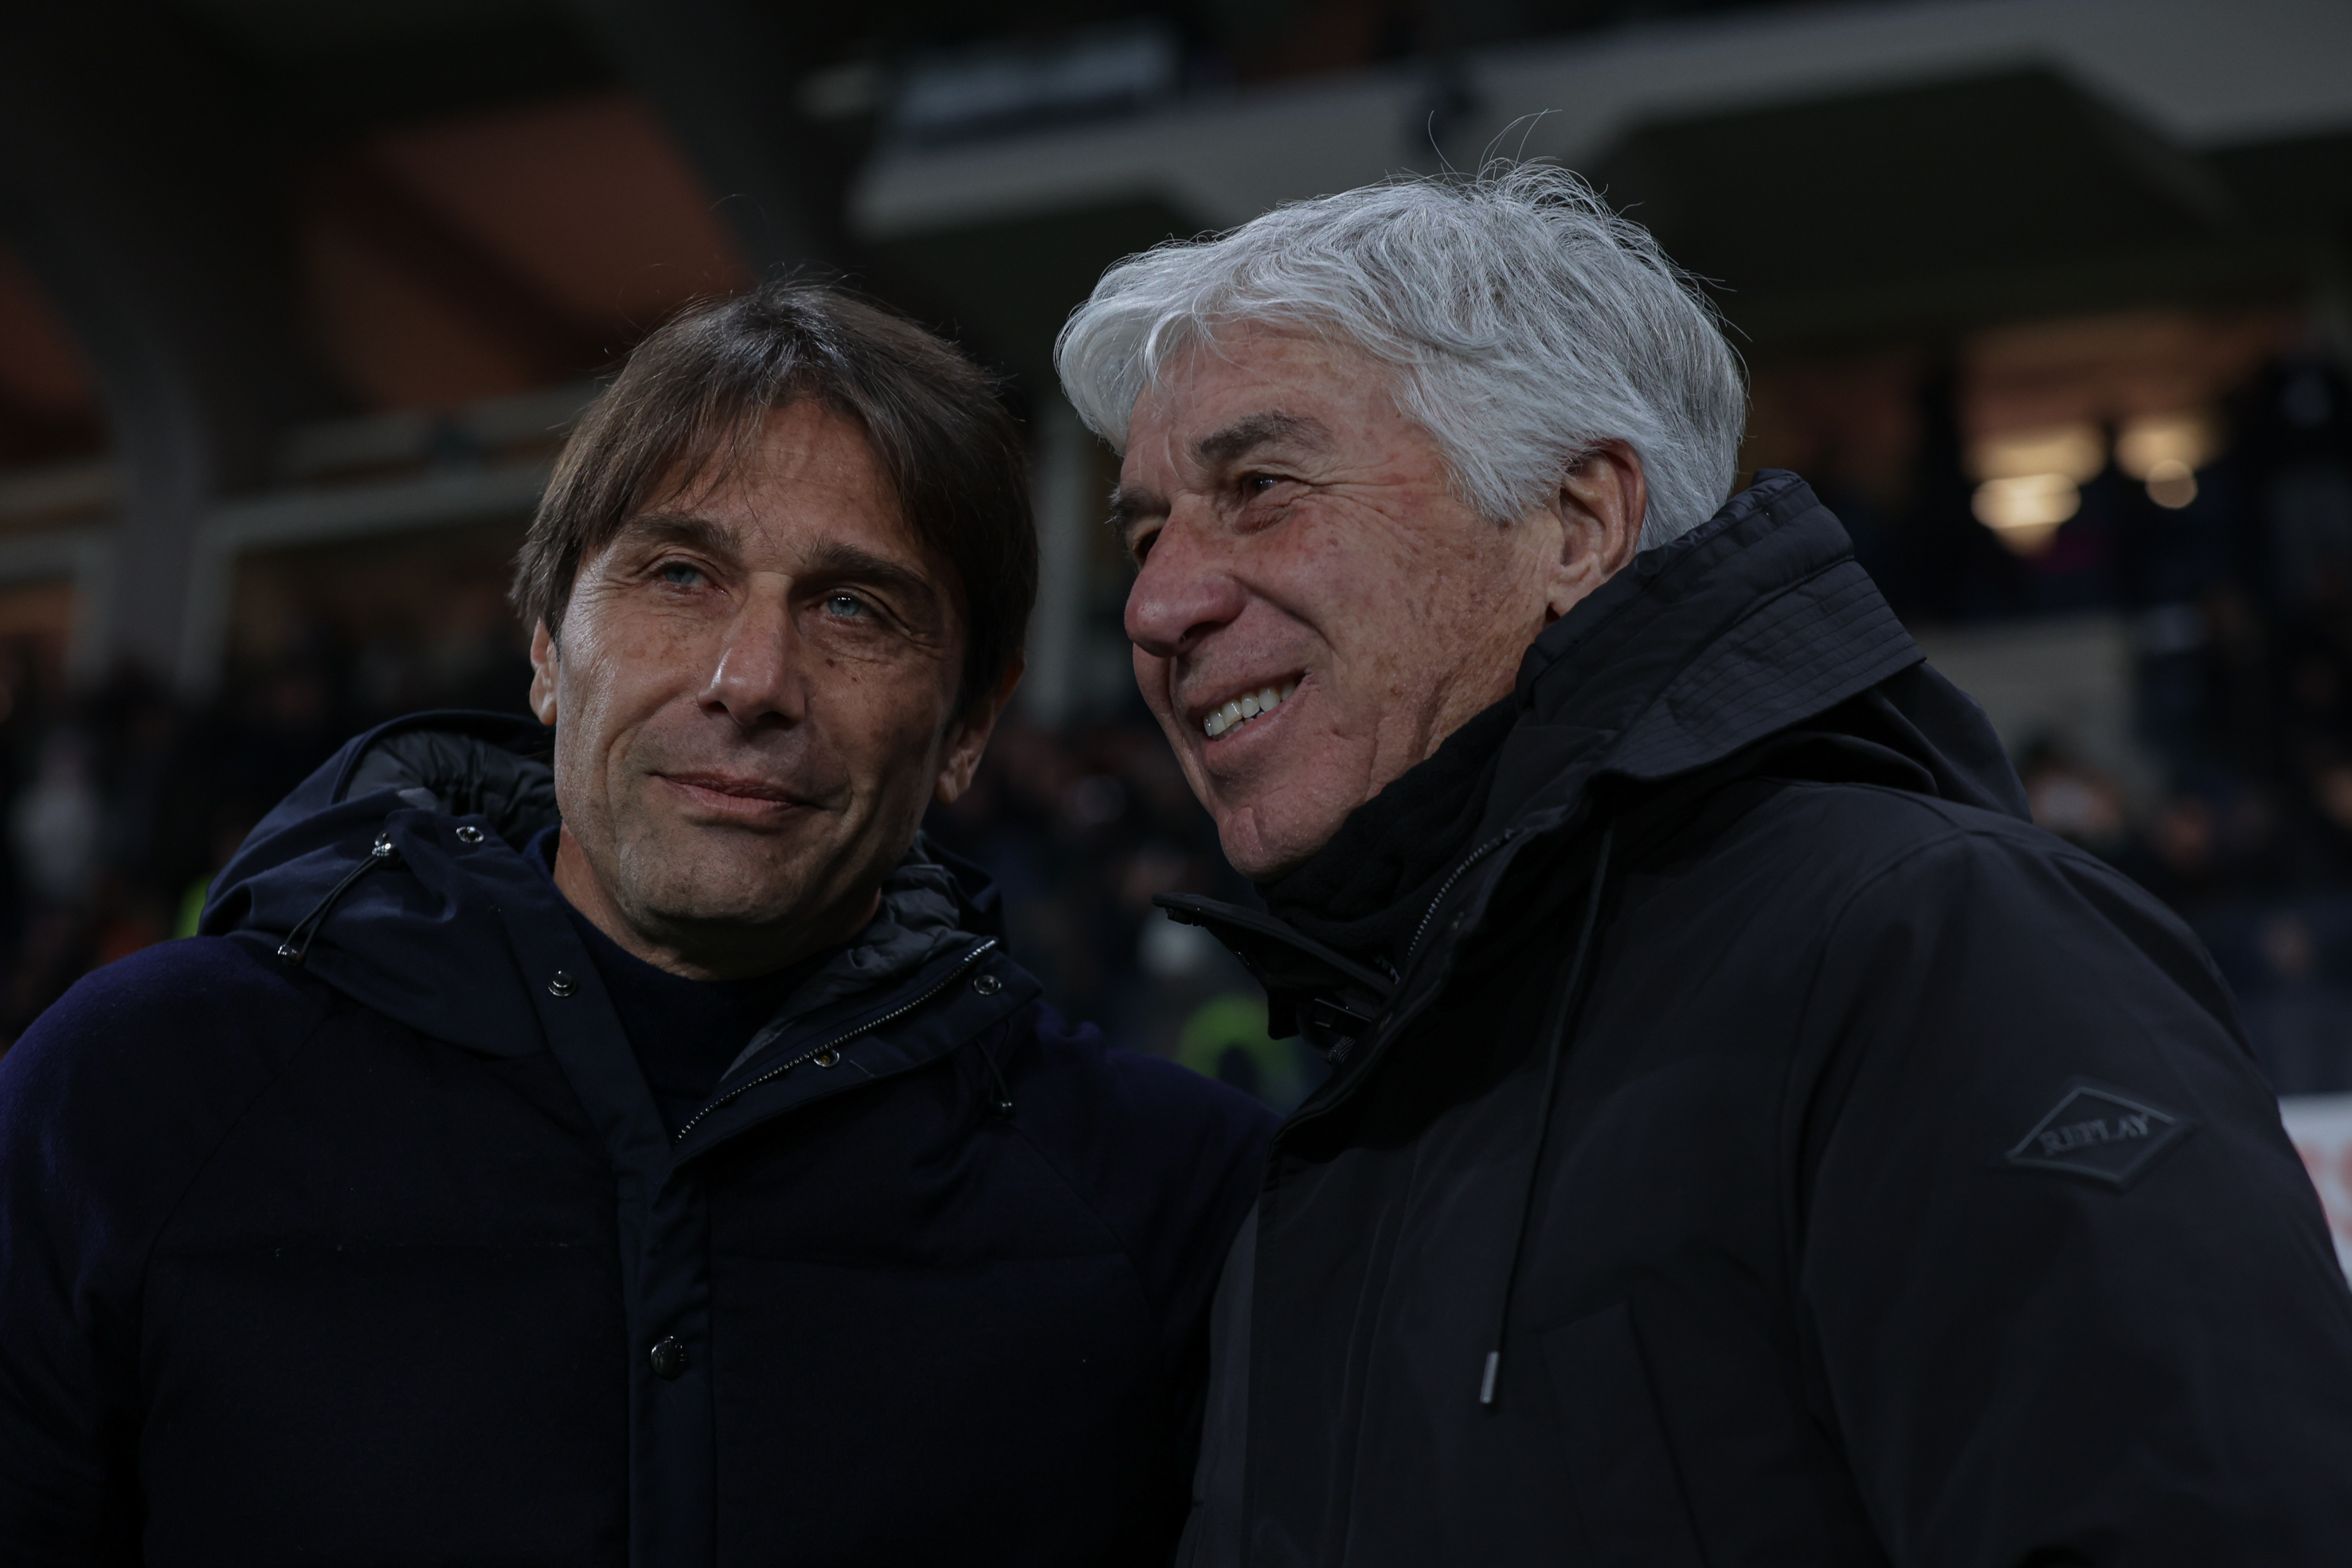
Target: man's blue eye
point(844, 604)
point(680, 573)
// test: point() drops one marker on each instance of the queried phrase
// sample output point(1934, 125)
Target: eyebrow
point(1130, 506)
point(1246, 435)
point(830, 561)
point(1220, 449)
point(836, 562)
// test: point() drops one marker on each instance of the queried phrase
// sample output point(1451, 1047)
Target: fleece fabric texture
point(382, 1253)
point(1902, 1189)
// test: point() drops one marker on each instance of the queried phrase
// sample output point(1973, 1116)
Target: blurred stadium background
point(2051, 299)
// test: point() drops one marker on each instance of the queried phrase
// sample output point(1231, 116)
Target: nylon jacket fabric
point(385, 1256)
point(1908, 1192)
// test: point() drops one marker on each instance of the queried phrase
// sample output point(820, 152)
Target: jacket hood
point(353, 873)
point(1756, 629)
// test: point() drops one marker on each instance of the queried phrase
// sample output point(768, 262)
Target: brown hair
point(691, 401)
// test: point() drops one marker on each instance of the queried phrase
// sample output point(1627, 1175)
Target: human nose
point(1185, 591)
point(757, 677)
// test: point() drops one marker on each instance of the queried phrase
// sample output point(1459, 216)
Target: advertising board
point(2321, 1126)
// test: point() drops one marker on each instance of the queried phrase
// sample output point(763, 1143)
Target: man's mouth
point(732, 790)
point(1240, 710)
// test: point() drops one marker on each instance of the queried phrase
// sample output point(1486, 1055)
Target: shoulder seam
point(1953, 832)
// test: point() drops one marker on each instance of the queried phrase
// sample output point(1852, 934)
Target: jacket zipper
point(838, 1040)
point(1481, 852)
point(1392, 1023)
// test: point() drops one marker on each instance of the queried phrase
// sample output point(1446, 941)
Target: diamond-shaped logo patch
point(2103, 1133)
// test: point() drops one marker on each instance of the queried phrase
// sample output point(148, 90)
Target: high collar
point(456, 798)
point(1360, 892)
point(916, 921)
point(1749, 625)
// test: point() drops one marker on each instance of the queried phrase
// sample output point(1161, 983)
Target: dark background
point(295, 301)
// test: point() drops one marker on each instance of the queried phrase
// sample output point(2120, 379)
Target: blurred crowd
point(119, 802)
point(2239, 597)
point(1081, 828)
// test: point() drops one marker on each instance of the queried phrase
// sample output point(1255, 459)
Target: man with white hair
point(1750, 1139)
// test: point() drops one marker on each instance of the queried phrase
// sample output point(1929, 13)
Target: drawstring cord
point(1003, 1105)
point(297, 946)
point(1558, 1033)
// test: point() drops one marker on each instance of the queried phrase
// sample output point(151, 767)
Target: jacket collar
point(1752, 624)
point(423, 931)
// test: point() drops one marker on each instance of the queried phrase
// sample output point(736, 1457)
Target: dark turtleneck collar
point(1364, 892)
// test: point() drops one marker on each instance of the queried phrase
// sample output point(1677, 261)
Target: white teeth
point(1246, 706)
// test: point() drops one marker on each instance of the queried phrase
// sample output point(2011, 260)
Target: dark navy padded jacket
point(385, 1256)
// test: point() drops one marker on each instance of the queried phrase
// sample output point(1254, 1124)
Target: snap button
point(560, 983)
point(987, 985)
point(826, 1057)
point(669, 1358)
point(470, 834)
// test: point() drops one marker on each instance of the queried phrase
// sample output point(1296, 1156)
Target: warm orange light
point(2024, 510)
point(2171, 484)
point(2187, 441)
point(2032, 479)
point(2164, 452)
point(2074, 452)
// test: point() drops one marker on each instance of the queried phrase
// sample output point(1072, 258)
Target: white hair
point(1524, 323)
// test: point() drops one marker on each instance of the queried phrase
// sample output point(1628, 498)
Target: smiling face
point(1296, 534)
point(754, 689)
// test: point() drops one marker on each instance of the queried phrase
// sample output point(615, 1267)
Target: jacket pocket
point(1622, 1471)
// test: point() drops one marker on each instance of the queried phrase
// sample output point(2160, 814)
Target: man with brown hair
point(638, 1149)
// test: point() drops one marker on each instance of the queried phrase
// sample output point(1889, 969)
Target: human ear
point(1602, 502)
point(542, 672)
point(967, 737)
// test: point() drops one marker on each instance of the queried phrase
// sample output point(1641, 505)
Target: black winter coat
point(1776, 1150)
point(386, 1257)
